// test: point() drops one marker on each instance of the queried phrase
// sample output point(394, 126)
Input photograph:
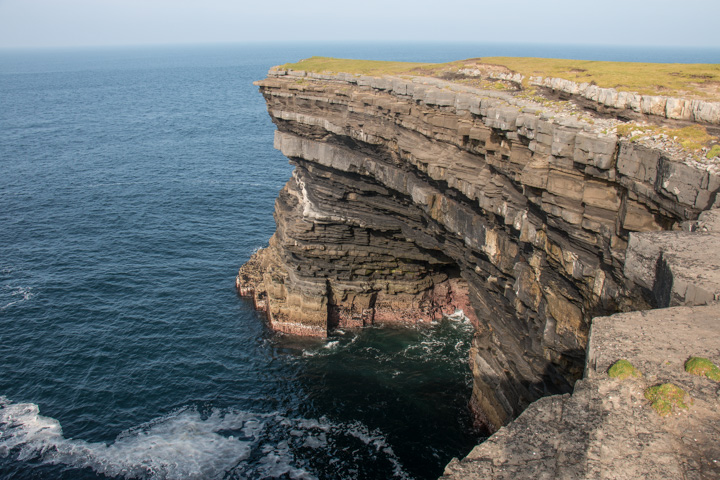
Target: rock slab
point(606, 428)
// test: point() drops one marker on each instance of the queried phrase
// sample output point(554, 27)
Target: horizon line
point(346, 42)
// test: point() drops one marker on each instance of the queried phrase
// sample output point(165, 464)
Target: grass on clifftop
point(363, 67)
point(691, 138)
point(672, 79)
point(700, 81)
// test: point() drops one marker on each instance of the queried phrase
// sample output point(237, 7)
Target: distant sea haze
point(34, 60)
point(135, 181)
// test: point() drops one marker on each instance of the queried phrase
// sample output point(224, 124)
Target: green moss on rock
point(666, 398)
point(703, 367)
point(713, 152)
point(622, 370)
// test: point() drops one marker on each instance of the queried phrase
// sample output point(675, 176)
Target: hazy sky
point(136, 22)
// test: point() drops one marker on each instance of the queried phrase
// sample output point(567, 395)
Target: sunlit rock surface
point(414, 197)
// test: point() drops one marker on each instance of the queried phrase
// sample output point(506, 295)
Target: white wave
point(458, 315)
point(316, 442)
point(360, 431)
point(328, 348)
point(278, 462)
point(18, 295)
point(181, 445)
point(312, 424)
point(187, 445)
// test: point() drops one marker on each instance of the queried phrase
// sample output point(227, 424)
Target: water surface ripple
point(134, 184)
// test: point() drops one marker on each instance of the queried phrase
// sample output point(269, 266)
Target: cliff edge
point(414, 197)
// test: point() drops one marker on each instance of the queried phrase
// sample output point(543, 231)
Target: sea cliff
point(414, 197)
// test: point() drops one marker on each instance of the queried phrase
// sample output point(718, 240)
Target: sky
point(67, 23)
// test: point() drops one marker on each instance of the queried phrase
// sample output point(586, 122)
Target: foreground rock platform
point(606, 428)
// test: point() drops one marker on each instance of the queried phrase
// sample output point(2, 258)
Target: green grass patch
point(363, 67)
point(681, 80)
point(713, 152)
point(703, 367)
point(667, 398)
point(691, 138)
point(701, 81)
point(622, 370)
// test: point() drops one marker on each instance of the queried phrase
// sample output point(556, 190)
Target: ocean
point(133, 184)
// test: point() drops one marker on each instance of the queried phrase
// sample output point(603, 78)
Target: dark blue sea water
point(133, 184)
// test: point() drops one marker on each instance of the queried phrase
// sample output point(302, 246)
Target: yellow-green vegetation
point(691, 138)
point(622, 370)
point(666, 398)
point(713, 152)
point(671, 79)
point(448, 71)
point(703, 367)
point(701, 81)
point(363, 67)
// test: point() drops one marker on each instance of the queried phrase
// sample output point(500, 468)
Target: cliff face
point(413, 198)
point(606, 428)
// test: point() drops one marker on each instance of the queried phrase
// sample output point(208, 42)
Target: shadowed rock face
point(409, 201)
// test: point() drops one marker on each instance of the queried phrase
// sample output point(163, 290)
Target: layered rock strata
point(412, 198)
point(606, 428)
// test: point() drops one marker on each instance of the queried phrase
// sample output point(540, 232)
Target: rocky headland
point(413, 197)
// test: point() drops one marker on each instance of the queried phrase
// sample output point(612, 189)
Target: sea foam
point(186, 444)
point(180, 445)
point(15, 295)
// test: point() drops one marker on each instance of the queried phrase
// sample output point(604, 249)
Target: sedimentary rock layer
point(412, 198)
